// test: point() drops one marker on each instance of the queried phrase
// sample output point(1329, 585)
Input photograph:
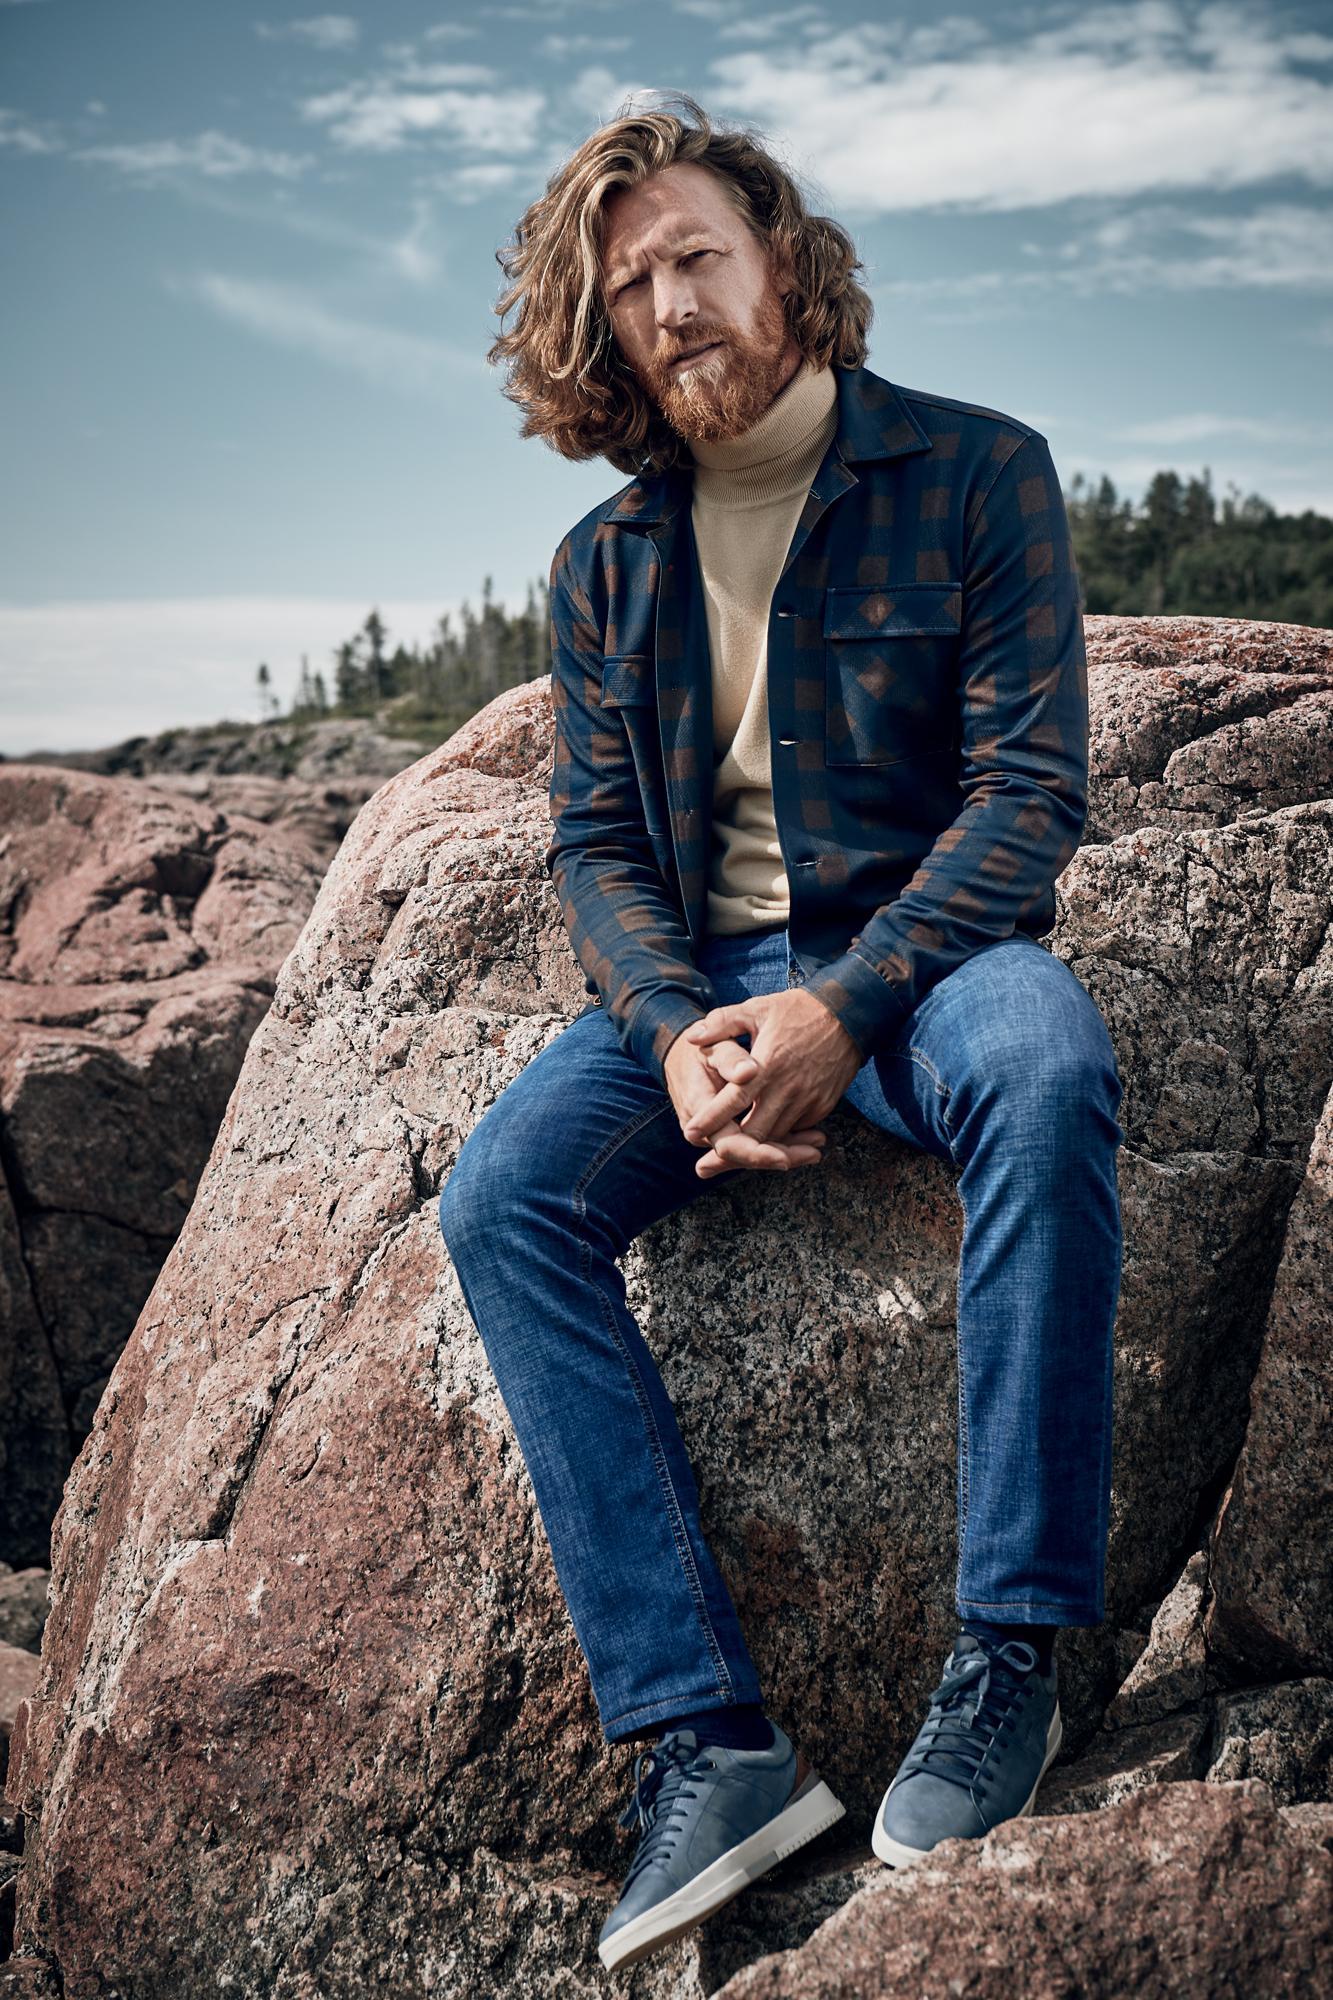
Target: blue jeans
point(1007, 1070)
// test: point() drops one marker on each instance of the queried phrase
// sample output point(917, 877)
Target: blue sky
point(249, 282)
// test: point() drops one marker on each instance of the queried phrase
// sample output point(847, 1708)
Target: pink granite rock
point(1271, 1559)
point(312, 1718)
point(139, 938)
point(1182, 1890)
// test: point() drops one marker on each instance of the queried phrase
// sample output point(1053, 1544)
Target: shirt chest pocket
point(629, 687)
point(890, 671)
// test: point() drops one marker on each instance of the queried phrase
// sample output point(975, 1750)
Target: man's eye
point(629, 283)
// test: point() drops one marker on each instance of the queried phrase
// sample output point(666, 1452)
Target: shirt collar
point(874, 421)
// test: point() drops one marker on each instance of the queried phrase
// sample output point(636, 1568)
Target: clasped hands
point(760, 1107)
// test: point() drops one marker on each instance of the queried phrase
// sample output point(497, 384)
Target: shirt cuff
point(855, 994)
point(655, 1026)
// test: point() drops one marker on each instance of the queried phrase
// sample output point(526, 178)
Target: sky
point(248, 279)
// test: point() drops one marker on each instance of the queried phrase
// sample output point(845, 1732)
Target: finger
point(712, 1164)
point(732, 1062)
point(724, 1109)
point(737, 1076)
point(766, 1120)
point(722, 1024)
point(803, 1135)
point(734, 1149)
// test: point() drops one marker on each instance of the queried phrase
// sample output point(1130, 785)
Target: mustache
point(690, 346)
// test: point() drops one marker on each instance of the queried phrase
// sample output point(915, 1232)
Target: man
point(821, 752)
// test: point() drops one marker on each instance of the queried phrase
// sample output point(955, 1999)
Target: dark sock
point(1040, 1637)
point(743, 1727)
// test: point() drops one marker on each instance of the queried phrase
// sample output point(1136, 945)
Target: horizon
point(252, 282)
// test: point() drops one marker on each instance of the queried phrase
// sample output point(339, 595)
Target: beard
point(726, 392)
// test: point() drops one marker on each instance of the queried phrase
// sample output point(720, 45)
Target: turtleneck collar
point(768, 458)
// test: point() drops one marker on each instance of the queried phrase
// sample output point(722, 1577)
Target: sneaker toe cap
point(647, 1889)
point(923, 1811)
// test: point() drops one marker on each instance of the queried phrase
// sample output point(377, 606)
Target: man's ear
point(784, 278)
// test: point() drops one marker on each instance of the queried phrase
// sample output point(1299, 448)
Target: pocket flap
point(893, 610)
point(627, 681)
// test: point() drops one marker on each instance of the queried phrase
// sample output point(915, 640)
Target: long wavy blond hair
point(565, 371)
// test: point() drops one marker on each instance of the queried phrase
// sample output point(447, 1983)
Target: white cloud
point(481, 178)
point(1279, 245)
point(409, 254)
point(411, 70)
point(562, 47)
point(771, 27)
point(81, 675)
point(599, 93)
point(1196, 426)
point(212, 154)
point(16, 131)
point(321, 31)
point(382, 115)
point(407, 362)
point(1116, 102)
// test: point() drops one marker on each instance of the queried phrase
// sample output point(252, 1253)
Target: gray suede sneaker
point(979, 1756)
point(712, 1820)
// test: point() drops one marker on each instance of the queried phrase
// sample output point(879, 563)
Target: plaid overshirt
point(928, 717)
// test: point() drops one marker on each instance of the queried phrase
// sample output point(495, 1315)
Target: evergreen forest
point(1178, 551)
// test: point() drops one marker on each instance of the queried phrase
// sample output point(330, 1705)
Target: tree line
point(433, 688)
point(1177, 551)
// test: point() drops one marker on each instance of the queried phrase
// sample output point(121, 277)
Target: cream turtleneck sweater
point(748, 496)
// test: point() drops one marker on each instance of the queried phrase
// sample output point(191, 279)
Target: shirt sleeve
point(627, 929)
point(1023, 689)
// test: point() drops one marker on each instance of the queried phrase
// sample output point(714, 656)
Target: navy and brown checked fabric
point(928, 710)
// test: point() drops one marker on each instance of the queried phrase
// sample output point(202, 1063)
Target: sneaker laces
point(661, 1787)
point(976, 1693)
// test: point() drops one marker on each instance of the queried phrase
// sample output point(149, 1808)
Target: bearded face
point(721, 392)
point(695, 302)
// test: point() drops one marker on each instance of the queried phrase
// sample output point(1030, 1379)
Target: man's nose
point(674, 302)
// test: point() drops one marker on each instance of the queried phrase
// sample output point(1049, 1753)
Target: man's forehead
point(661, 236)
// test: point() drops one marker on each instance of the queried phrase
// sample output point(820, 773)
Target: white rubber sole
point(896, 1854)
point(809, 1812)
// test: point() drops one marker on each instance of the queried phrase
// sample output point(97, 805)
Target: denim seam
point(963, 1435)
point(685, 1554)
point(1028, 1604)
point(920, 1056)
point(922, 1060)
point(648, 1712)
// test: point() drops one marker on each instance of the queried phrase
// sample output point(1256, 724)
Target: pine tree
point(376, 632)
point(304, 703)
point(347, 678)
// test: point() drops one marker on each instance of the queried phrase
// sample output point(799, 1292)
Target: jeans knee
point(1047, 1083)
point(460, 1205)
point(484, 1201)
point(444, 1209)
